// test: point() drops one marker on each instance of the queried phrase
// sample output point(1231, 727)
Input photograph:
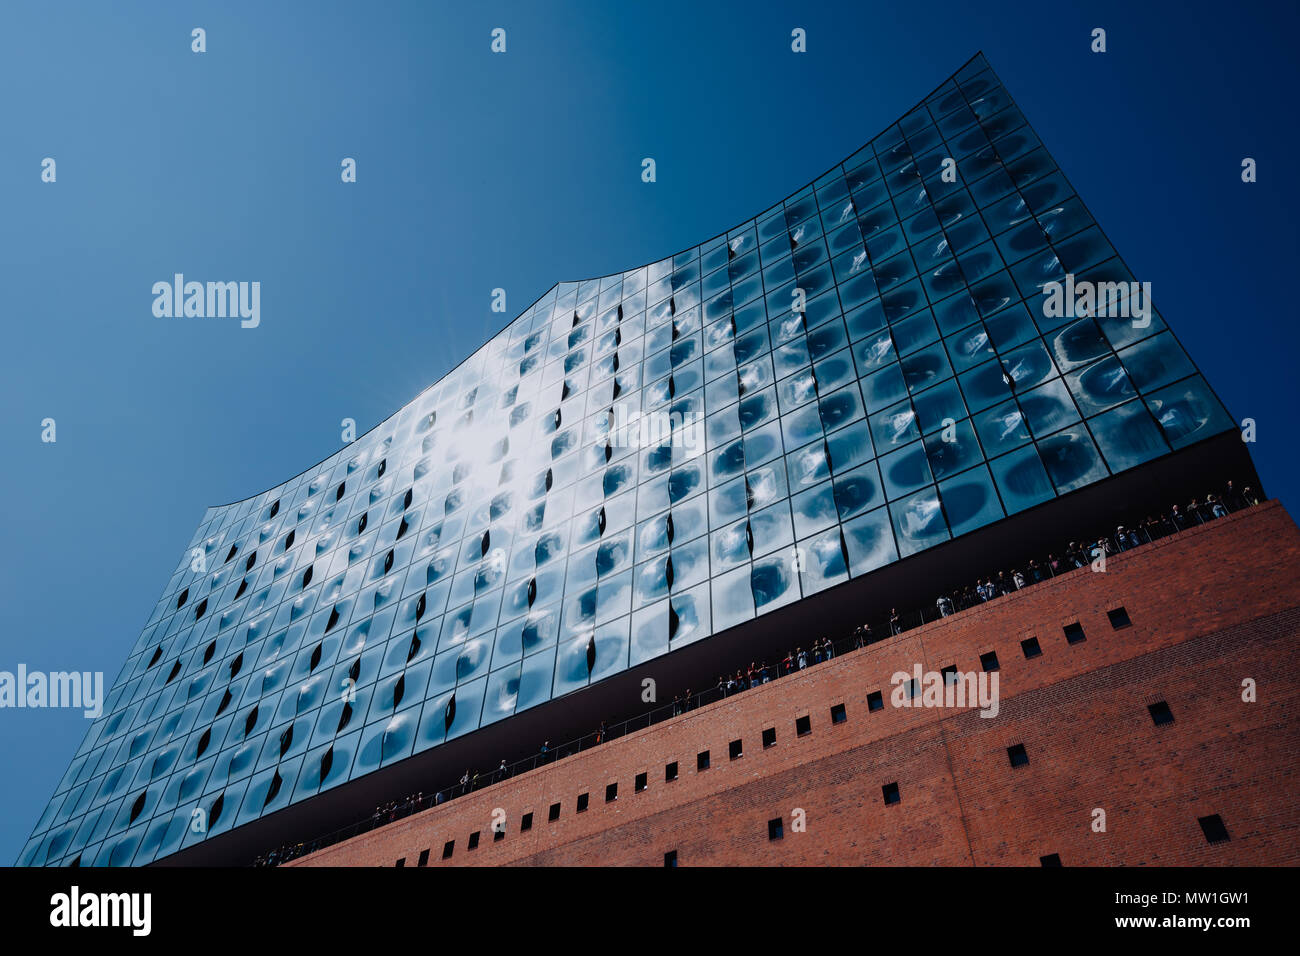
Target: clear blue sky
point(478, 171)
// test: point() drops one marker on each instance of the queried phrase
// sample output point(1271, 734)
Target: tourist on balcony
point(1177, 519)
point(1233, 498)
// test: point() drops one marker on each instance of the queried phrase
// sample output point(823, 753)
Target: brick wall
point(1209, 608)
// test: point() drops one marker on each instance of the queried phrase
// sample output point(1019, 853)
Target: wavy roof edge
point(951, 77)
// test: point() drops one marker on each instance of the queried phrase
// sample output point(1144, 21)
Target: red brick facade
point(1209, 608)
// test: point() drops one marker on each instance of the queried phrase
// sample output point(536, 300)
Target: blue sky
point(478, 171)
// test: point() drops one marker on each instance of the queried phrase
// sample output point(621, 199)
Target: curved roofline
point(812, 182)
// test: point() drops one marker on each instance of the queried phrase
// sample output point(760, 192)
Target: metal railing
point(1077, 555)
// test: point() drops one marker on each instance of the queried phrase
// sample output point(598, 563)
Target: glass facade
point(859, 373)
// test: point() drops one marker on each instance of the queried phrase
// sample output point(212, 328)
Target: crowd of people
point(1075, 555)
point(758, 672)
point(283, 854)
point(385, 813)
point(1088, 553)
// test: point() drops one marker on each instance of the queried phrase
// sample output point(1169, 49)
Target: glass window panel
point(729, 547)
point(1048, 408)
point(774, 582)
point(1071, 459)
point(835, 370)
point(985, 386)
point(875, 351)
point(1156, 362)
point(1188, 412)
point(766, 484)
point(937, 406)
point(870, 542)
point(971, 346)
point(858, 490)
point(1121, 331)
point(980, 262)
point(1083, 250)
point(905, 470)
point(733, 598)
point(1077, 344)
point(894, 427)
point(850, 446)
point(772, 529)
point(822, 561)
point(649, 635)
point(798, 389)
point(814, 510)
point(1028, 365)
point(807, 466)
point(1010, 327)
point(952, 449)
point(727, 502)
point(840, 408)
point(1021, 240)
point(1032, 275)
point(1127, 436)
point(925, 368)
point(1021, 479)
point(864, 320)
point(970, 500)
point(1100, 386)
point(955, 312)
point(883, 388)
point(802, 426)
point(918, 522)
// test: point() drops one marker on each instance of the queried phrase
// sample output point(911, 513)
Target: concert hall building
point(598, 595)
